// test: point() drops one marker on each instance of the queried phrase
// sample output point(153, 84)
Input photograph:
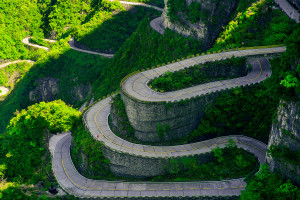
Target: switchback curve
point(27, 42)
point(74, 183)
point(96, 120)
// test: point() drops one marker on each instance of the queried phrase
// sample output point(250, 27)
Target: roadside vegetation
point(267, 185)
point(228, 163)
point(24, 155)
point(199, 74)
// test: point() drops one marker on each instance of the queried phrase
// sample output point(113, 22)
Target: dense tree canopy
point(23, 144)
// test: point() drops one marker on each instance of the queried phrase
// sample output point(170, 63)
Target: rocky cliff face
point(47, 89)
point(214, 15)
point(285, 134)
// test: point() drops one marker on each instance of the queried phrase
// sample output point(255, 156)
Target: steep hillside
point(18, 18)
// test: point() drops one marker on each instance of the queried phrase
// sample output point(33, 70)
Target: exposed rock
point(206, 29)
point(80, 92)
point(285, 132)
point(46, 90)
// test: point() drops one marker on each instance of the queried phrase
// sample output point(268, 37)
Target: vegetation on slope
point(96, 165)
point(10, 74)
point(18, 18)
point(227, 163)
point(259, 25)
point(75, 71)
point(58, 16)
point(106, 31)
point(268, 186)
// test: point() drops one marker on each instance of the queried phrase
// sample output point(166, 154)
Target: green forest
point(31, 114)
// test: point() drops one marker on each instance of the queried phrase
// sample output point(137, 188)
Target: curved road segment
point(140, 4)
point(14, 62)
point(27, 42)
point(136, 85)
point(74, 183)
point(72, 45)
point(96, 119)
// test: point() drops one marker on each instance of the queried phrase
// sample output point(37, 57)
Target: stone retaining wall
point(174, 119)
point(177, 119)
point(126, 165)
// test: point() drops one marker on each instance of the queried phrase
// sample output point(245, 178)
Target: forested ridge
point(26, 123)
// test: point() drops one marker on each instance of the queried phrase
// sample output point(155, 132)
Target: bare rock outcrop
point(215, 14)
point(285, 136)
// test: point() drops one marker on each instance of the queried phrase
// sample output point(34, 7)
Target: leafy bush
point(158, 3)
point(23, 144)
point(230, 162)
point(268, 186)
point(259, 25)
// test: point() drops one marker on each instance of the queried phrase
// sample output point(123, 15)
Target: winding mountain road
point(96, 119)
point(74, 183)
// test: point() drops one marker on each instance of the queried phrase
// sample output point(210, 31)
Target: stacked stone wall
point(177, 119)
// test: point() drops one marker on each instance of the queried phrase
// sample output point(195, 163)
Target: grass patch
point(40, 41)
